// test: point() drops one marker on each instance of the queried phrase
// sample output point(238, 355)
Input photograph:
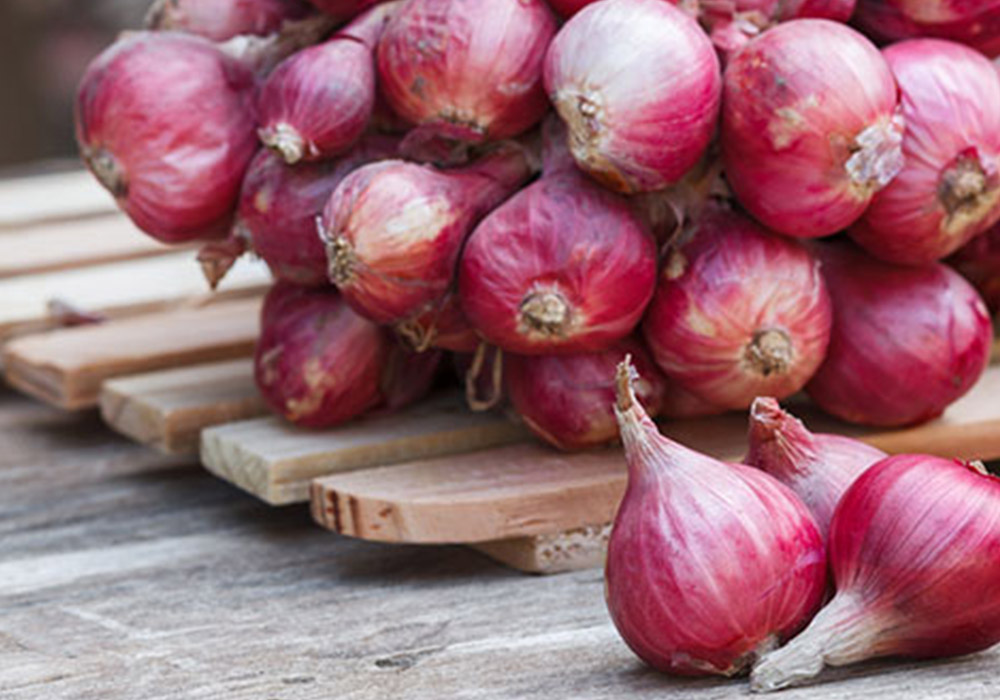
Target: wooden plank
point(571, 550)
point(168, 409)
point(67, 367)
point(118, 289)
point(69, 244)
point(275, 461)
point(530, 490)
point(53, 197)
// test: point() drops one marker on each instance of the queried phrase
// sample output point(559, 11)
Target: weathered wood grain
point(53, 197)
point(67, 367)
point(169, 409)
point(275, 461)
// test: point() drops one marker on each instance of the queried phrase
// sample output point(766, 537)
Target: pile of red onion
point(609, 210)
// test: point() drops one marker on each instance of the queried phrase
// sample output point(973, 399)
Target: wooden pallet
point(168, 364)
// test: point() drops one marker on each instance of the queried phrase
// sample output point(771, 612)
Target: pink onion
point(972, 22)
point(817, 467)
point(738, 312)
point(175, 170)
point(906, 341)
point(442, 326)
point(914, 547)
point(394, 229)
point(568, 400)
point(637, 83)
point(469, 70)
point(709, 563)
point(949, 188)
point(809, 126)
point(732, 23)
point(979, 262)
point(219, 20)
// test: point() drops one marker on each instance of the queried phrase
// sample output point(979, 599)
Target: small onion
point(344, 9)
point(906, 341)
point(738, 312)
point(979, 262)
point(220, 20)
point(809, 126)
point(637, 83)
point(732, 23)
point(442, 326)
point(972, 22)
point(949, 188)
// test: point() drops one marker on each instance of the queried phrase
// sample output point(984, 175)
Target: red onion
point(914, 547)
point(972, 22)
point(219, 20)
point(442, 326)
point(709, 564)
point(318, 102)
point(949, 188)
point(175, 170)
point(979, 262)
point(732, 23)
point(279, 205)
point(562, 267)
point(809, 130)
point(680, 404)
point(567, 400)
point(818, 467)
point(637, 83)
point(319, 364)
point(344, 9)
point(738, 312)
point(394, 229)
point(906, 342)
point(468, 70)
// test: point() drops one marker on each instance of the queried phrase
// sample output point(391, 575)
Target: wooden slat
point(275, 461)
point(169, 409)
point(67, 367)
point(571, 550)
point(529, 490)
point(119, 289)
point(53, 197)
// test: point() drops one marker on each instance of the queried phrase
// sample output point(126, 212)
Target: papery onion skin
point(220, 20)
point(568, 400)
point(395, 229)
point(914, 546)
point(976, 24)
point(738, 312)
point(176, 171)
point(816, 466)
point(531, 289)
point(469, 71)
point(279, 205)
point(949, 188)
point(906, 341)
point(708, 563)
point(979, 262)
point(809, 126)
point(638, 84)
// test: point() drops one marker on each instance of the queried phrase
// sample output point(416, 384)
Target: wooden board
point(59, 196)
point(67, 367)
point(119, 289)
point(168, 409)
point(275, 461)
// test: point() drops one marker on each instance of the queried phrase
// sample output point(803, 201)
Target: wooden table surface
point(124, 574)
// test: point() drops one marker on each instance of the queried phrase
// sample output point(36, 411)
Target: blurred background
point(45, 45)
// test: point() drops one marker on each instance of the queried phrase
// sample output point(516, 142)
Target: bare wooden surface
point(53, 197)
point(127, 575)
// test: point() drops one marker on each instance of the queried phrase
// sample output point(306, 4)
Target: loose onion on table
point(949, 188)
point(220, 20)
point(809, 126)
point(972, 22)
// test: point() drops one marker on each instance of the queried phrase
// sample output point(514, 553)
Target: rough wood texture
point(169, 409)
point(53, 197)
point(275, 461)
point(531, 490)
point(67, 367)
point(118, 289)
point(127, 575)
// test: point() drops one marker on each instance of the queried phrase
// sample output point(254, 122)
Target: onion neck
point(770, 351)
point(107, 170)
point(546, 312)
point(966, 194)
point(778, 441)
point(285, 140)
point(876, 156)
point(367, 29)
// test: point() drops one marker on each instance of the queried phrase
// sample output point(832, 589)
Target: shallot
point(915, 554)
point(972, 22)
point(979, 262)
point(732, 23)
point(220, 20)
point(441, 326)
point(709, 564)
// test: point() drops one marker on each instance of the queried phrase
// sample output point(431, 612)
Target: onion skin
point(708, 563)
point(819, 468)
point(738, 313)
point(175, 171)
point(531, 289)
point(467, 70)
point(394, 229)
point(979, 262)
point(906, 341)
point(443, 326)
point(914, 546)
point(949, 188)
point(568, 400)
point(809, 130)
point(638, 84)
point(344, 9)
point(968, 22)
point(279, 205)
point(732, 23)
point(220, 20)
